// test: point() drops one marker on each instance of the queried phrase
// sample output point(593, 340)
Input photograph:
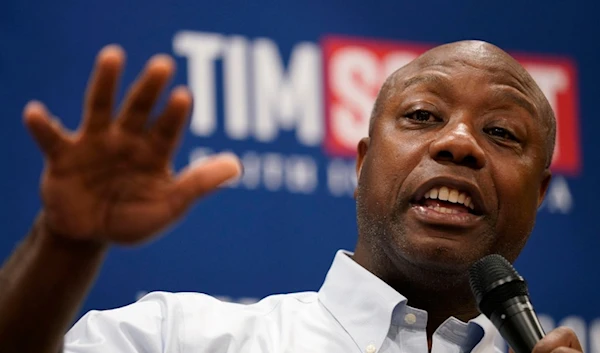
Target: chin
point(446, 256)
point(437, 268)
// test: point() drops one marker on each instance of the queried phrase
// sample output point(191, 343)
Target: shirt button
point(410, 319)
point(370, 349)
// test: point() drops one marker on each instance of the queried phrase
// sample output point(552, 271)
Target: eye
point(501, 133)
point(421, 116)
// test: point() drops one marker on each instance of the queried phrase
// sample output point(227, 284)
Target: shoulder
point(258, 327)
point(202, 304)
point(160, 315)
point(165, 306)
point(162, 319)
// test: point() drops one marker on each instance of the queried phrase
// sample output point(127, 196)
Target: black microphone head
point(493, 281)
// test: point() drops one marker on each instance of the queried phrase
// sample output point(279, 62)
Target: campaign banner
point(289, 87)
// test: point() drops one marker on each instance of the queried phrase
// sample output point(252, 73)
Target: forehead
point(494, 76)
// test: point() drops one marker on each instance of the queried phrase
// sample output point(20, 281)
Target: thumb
point(205, 176)
point(561, 337)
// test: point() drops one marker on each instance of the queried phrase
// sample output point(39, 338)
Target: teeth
point(445, 193)
point(469, 202)
point(433, 193)
point(453, 196)
point(444, 209)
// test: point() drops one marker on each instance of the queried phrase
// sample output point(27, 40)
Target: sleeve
point(149, 325)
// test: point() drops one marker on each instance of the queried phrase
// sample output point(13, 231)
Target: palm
point(106, 190)
point(111, 181)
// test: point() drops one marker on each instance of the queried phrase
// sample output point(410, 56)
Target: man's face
point(454, 168)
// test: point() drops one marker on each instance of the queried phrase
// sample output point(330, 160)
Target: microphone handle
point(518, 324)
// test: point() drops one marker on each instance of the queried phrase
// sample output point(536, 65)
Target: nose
point(456, 144)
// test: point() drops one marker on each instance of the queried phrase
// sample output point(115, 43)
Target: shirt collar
point(364, 305)
point(360, 301)
point(490, 333)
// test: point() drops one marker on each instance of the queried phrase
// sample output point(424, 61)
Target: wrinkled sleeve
point(149, 325)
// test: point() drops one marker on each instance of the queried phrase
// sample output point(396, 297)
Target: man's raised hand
point(111, 180)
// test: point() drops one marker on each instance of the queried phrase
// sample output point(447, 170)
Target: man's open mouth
point(445, 199)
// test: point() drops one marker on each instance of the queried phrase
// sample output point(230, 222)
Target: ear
point(547, 176)
point(363, 146)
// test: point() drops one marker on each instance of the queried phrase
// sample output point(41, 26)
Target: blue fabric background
point(245, 243)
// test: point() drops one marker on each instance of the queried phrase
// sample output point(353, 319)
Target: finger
point(47, 134)
point(561, 337)
point(203, 177)
point(99, 101)
point(145, 91)
point(168, 128)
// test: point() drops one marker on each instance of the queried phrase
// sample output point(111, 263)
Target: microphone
point(502, 296)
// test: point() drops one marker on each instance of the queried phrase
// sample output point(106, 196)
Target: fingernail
point(162, 59)
point(112, 49)
point(33, 105)
point(233, 157)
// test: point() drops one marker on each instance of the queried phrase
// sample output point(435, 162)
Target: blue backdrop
point(278, 228)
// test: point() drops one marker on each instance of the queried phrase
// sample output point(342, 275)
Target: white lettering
point(201, 50)
point(251, 162)
point(273, 171)
point(341, 177)
point(301, 174)
point(273, 167)
point(235, 71)
point(558, 197)
point(286, 102)
point(354, 79)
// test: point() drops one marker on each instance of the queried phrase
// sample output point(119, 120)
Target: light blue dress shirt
point(354, 311)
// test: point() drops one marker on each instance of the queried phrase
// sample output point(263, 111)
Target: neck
point(441, 293)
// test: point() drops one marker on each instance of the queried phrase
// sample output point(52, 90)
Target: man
point(455, 165)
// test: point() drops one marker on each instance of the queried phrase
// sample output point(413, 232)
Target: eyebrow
point(506, 93)
point(513, 95)
point(425, 78)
